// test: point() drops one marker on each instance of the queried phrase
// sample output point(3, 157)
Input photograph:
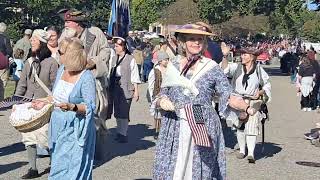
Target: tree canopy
point(288, 17)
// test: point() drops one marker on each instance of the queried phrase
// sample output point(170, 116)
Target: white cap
point(41, 34)
point(28, 31)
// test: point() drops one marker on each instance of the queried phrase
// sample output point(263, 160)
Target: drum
point(26, 119)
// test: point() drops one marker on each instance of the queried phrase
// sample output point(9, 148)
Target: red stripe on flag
point(199, 131)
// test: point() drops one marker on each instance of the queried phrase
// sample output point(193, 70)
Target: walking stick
point(262, 122)
point(264, 110)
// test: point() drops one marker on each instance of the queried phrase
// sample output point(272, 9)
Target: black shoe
point(155, 137)
point(31, 174)
point(251, 160)
point(122, 139)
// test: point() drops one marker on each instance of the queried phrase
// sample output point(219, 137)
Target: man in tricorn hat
point(98, 54)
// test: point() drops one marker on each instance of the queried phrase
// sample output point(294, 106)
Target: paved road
point(284, 145)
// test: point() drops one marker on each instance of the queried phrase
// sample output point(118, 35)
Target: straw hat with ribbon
point(193, 29)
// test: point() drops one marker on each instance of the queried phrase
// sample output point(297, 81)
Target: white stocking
point(241, 141)
point(251, 142)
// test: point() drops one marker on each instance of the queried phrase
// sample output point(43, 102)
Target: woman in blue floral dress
point(191, 143)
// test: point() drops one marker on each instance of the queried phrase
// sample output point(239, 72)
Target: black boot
point(31, 174)
point(122, 139)
point(156, 135)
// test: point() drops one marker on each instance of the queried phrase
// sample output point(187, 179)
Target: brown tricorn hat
point(73, 15)
point(250, 50)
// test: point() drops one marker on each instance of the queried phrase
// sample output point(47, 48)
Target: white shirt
point(253, 81)
point(62, 91)
point(282, 52)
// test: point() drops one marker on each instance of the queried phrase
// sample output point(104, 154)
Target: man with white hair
point(24, 43)
point(6, 50)
point(98, 55)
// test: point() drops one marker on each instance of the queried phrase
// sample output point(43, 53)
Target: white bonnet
point(41, 34)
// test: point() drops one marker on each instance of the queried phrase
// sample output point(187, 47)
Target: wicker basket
point(37, 121)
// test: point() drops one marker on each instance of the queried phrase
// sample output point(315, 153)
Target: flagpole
point(117, 19)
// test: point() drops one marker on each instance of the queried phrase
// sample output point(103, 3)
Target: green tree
point(215, 11)
point(40, 13)
point(145, 12)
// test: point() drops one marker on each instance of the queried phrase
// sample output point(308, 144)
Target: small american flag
point(10, 101)
point(198, 130)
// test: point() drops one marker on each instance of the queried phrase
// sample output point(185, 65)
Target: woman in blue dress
point(72, 129)
point(191, 143)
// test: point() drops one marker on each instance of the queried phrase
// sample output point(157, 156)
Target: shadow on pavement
point(10, 167)
point(136, 133)
point(230, 137)
point(46, 171)
point(309, 164)
point(11, 149)
point(270, 149)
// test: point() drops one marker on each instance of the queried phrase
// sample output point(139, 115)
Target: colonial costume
point(246, 84)
point(72, 135)
point(123, 76)
point(29, 86)
point(97, 49)
point(154, 85)
point(191, 143)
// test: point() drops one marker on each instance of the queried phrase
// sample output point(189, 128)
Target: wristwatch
point(75, 108)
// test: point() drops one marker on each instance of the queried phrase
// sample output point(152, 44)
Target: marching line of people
point(84, 78)
point(88, 77)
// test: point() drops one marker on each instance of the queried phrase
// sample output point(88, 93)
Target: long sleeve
point(223, 90)
point(266, 84)
point(88, 92)
point(230, 69)
point(99, 52)
point(135, 78)
point(151, 81)
point(53, 73)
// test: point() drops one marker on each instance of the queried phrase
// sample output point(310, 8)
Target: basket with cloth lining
point(26, 119)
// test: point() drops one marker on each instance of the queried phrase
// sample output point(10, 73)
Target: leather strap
point(42, 85)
